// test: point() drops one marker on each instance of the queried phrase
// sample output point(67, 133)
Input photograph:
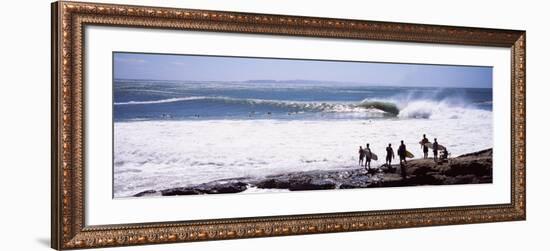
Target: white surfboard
point(372, 155)
point(420, 142)
point(431, 146)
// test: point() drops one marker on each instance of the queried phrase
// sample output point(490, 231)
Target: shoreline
point(470, 168)
point(168, 154)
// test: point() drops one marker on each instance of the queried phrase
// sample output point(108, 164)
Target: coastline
point(470, 168)
point(166, 154)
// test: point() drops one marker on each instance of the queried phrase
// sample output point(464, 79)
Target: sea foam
point(164, 154)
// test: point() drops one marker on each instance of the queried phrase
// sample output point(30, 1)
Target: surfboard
point(420, 142)
point(431, 146)
point(409, 154)
point(373, 156)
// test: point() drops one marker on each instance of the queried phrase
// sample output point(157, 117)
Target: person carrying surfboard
point(423, 145)
point(389, 155)
point(435, 146)
point(402, 152)
point(361, 155)
point(368, 155)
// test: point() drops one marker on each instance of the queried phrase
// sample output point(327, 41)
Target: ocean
point(177, 133)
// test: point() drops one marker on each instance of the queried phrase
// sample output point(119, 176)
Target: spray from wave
point(434, 110)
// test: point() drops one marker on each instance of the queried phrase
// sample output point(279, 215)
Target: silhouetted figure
point(402, 152)
point(389, 155)
point(368, 155)
point(444, 155)
point(435, 147)
point(423, 145)
point(361, 155)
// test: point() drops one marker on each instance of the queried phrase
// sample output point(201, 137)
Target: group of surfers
point(365, 154)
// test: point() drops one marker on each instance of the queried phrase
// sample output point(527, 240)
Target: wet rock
point(146, 193)
point(362, 181)
point(277, 183)
point(471, 168)
point(222, 187)
point(311, 184)
point(214, 187)
point(179, 191)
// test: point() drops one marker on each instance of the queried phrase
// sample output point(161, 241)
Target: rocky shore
point(472, 168)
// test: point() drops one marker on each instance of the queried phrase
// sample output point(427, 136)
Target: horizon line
point(294, 80)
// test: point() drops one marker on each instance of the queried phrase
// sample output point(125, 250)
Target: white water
point(164, 154)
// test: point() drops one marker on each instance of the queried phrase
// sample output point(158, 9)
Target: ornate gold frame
point(68, 228)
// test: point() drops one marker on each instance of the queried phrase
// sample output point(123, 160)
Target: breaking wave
point(419, 109)
point(387, 107)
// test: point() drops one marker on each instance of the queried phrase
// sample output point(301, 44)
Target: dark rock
point(308, 180)
point(394, 180)
point(428, 179)
point(420, 170)
point(482, 153)
point(373, 170)
point(214, 187)
point(146, 193)
point(278, 183)
point(478, 167)
point(362, 181)
point(179, 191)
point(471, 168)
point(311, 184)
point(222, 187)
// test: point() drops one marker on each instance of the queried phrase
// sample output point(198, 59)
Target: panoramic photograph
point(202, 125)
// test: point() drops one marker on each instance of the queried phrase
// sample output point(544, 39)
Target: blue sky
point(208, 68)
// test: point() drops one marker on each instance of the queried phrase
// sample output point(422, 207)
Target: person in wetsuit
point(423, 145)
point(389, 155)
point(361, 155)
point(368, 155)
point(402, 152)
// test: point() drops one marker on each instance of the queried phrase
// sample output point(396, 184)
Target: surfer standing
point(389, 155)
point(423, 145)
point(368, 155)
point(361, 155)
point(402, 152)
point(435, 146)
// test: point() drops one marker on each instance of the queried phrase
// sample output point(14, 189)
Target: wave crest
point(371, 106)
point(160, 101)
point(385, 106)
point(419, 109)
